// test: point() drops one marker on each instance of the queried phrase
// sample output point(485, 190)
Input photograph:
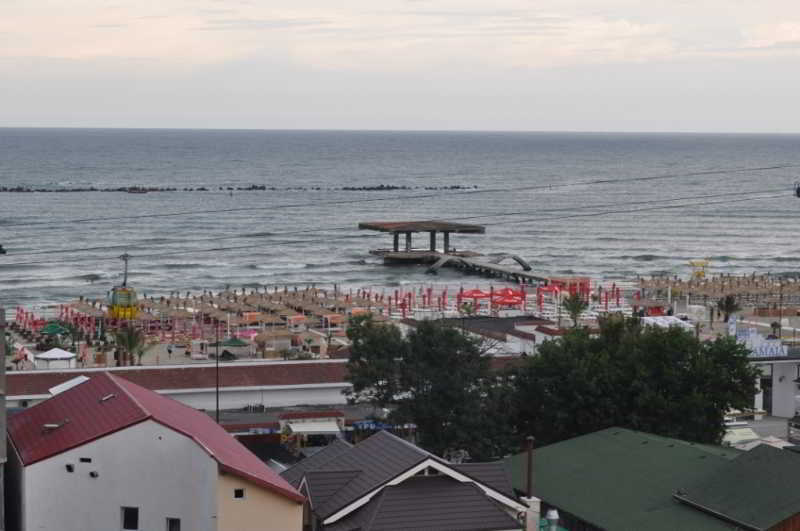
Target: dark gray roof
point(494, 474)
point(431, 503)
point(759, 489)
point(381, 457)
point(295, 474)
point(421, 226)
point(321, 484)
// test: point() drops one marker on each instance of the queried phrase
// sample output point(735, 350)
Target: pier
point(467, 261)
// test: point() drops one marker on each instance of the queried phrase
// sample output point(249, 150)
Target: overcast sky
point(592, 65)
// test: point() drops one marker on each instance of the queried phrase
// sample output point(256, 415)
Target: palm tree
point(130, 341)
point(75, 334)
point(575, 306)
point(728, 305)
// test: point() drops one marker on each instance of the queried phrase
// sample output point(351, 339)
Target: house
point(620, 479)
point(106, 453)
point(384, 482)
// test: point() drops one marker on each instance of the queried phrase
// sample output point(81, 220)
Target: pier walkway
point(467, 261)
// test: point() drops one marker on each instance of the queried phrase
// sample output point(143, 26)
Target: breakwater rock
point(227, 189)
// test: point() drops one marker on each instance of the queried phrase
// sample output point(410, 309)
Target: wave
point(336, 264)
point(647, 257)
point(179, 266)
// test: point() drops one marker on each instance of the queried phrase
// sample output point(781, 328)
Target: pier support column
point(446, 242)
point(396, 241)
point(408, 241)
point(433, 241)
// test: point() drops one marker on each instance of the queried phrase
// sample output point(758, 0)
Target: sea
point(272, 208)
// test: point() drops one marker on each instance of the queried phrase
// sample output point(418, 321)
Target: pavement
point(770, 426)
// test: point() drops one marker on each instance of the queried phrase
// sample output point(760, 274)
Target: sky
point(533, 65)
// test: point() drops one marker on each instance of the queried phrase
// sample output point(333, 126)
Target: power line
point(364, 236)
point(415, 196)
point(255, 235)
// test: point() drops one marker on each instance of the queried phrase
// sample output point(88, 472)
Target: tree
point(728, 305)
point(441, 379)
point(131, 342)
point(73, 331)
point(575, 306)
point(373, 368)
point(436, 378)
point(663, 381)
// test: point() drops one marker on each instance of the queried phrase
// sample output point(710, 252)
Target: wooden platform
point(417, 256)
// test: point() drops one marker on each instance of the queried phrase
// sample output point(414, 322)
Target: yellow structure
point(122, 303)
point(122, 300)
point(699, 268)
point(245, 506)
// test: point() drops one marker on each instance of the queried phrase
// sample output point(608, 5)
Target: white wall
point(56, 364)
point(163, 473)
point(326, 394)
point(784, 389)
point(233, 398)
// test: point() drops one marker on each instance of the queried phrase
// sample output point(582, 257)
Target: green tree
point(575, 306)
point(74, 332)
point(436, 378)
point(441, 379)
point(663, 381)
point(131, 342)
point(376, 350)
point(727, 306)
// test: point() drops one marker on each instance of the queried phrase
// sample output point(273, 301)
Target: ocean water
point(730, 198)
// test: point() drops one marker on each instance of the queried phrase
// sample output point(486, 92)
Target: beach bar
point(408, 253)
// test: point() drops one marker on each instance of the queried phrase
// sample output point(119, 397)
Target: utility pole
point(216, 327)
point(3, 354)
point(780, 310)
point(125, 257)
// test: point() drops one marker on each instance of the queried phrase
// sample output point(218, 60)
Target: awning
point(321, 427)
point(55, 354)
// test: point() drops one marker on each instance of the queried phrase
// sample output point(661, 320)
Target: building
point(387, 483)
point(106, 453)
point(619, 479)
point(241, 384)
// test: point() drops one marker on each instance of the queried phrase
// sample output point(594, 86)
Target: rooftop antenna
point(125, 257)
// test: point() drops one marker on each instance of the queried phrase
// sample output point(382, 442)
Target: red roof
point(190, 377)
point(197, 377)
point(84, 416)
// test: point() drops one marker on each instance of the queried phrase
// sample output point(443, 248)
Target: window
point(173, 524)
point(70, 468)
point(85, 459)
point(130, 518)
point(238, 494)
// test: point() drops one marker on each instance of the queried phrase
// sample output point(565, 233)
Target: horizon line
point(370, 130)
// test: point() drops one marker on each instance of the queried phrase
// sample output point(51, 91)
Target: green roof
point(619, 479)
point(759, 489)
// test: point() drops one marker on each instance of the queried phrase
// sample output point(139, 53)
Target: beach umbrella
point(508, 301)
point(53, 329)
point(232, 342)
point(474, 294)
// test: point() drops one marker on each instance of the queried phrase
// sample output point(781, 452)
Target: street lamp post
point(216, 329)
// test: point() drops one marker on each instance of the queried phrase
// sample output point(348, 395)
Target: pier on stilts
point(466, 261)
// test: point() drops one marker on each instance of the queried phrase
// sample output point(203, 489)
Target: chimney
point(529, 440)
point(533, 514)
point(552, 519)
